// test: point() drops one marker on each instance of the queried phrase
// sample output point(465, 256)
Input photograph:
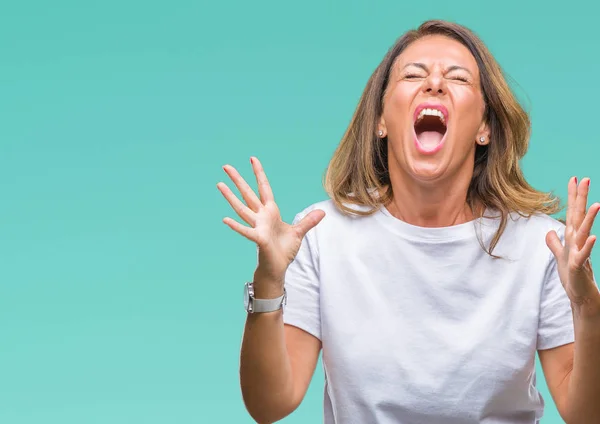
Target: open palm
point(278, 242)
point(573, 258)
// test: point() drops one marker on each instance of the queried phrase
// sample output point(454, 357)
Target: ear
point(483, 135)
point(381, 128)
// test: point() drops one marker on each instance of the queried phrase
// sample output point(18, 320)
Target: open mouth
point(430, 129)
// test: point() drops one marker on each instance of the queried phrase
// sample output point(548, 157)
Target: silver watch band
point(268, 305)
point(254, 305)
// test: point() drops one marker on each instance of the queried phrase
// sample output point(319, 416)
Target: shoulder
point(525, 236)
point(339, 225)
point(332, 212)
point(535, 223)
point(326, 206)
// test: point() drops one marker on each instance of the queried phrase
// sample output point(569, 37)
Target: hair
point(358, 171)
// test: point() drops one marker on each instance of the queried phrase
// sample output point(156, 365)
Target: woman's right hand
point(278, 242)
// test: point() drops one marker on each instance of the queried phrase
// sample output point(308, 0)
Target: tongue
point(430, 139)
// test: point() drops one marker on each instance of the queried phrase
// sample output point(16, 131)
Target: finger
point(586, 226)
point(241, 229)
point(242, 210)
point(554, 244)
point(264, 188)
point(246, 191)
point(309, 222)
point(583, 255)
point(581, 202)
point(571, 200)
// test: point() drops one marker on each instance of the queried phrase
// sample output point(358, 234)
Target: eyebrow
point(424, 67)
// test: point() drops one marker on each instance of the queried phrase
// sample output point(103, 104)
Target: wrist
point(256, 303)
point(267, 286)
point(588, 308)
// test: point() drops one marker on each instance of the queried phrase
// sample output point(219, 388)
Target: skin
point(433, 188)
point(278, 361)
point(573, 371)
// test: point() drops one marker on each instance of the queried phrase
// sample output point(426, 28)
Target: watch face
point(246, 296)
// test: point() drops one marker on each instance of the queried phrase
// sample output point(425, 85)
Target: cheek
point(397, 107)
point(465, 97)
point(469, 108)
point(403, 95)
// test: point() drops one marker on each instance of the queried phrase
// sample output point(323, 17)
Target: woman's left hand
point(573, 258)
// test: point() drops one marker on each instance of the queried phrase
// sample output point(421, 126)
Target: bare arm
point(557, 364)
point(277, 361)
point(277, 364)
point(584, 385)
point(574, 371)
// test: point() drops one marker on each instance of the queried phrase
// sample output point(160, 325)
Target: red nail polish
point(575, 180)
point(589, 182)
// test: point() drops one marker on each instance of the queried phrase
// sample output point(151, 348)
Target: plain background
point(120, 288)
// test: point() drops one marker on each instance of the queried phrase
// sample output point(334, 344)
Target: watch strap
point(268, 305)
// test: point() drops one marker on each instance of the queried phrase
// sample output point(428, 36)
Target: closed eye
point(462, 79)
point(412, 76)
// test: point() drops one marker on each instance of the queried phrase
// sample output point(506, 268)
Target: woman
point(434, 273)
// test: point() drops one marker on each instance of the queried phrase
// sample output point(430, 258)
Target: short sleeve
point(556, 316)
point(302, 309)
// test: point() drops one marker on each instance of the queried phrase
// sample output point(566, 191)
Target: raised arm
point(277, 361)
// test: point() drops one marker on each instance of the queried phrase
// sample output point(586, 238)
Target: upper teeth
point(431, 112)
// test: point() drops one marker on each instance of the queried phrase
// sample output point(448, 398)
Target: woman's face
point(433, 110)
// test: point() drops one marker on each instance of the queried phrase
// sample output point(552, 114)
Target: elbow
point(259, 419)
point(584, 412)
point(266, 410)
point(581, 418)
point(265, 415)
point(260, 415)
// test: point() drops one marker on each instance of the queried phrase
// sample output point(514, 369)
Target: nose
point(434, 84)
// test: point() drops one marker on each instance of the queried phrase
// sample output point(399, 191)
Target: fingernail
point(589, 182)
point(252, 160)
point(575, 180)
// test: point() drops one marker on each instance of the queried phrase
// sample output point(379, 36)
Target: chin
point(427, 171)
point(426, 167)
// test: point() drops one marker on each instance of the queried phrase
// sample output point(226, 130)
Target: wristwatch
point(254, 305)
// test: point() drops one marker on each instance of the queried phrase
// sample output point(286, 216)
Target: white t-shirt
point(420, 325)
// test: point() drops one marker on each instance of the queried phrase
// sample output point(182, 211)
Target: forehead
point(435, 50)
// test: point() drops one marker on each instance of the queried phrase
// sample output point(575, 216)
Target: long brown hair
point(358, 172)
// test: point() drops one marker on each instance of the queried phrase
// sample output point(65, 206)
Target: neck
point(430, 204)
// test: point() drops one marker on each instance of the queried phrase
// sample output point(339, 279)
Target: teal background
point(120, 288)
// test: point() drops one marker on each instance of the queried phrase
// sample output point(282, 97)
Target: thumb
point(309, 222)
point(554, 243)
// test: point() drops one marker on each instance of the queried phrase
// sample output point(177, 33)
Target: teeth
point(431, 112)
